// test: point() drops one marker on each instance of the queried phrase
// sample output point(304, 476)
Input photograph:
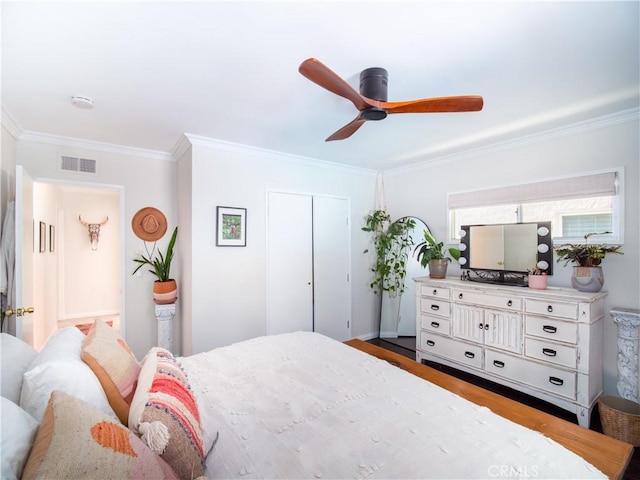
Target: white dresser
point(546, 343)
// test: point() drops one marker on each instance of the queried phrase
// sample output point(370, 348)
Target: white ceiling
point(229, 71)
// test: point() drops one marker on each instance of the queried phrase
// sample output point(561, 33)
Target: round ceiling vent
point(82, 102)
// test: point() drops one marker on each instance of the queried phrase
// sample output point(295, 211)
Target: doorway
point(75, 279)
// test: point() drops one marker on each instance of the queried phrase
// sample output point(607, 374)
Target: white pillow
point(59, 366)
point(18, 433)
point(16, 358)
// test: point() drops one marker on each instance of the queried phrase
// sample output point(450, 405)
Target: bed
point(296, 405)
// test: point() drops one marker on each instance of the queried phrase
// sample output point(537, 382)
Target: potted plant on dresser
point(433, 254)
point(150, 224)
point(587, 274)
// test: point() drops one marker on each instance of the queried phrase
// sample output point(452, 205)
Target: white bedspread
point(304, 406)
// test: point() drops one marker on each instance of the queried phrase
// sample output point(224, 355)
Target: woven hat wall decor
point(149, 224)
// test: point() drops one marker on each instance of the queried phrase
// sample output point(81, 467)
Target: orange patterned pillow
point(114, 364)
point(165, 413)
point(76, 440)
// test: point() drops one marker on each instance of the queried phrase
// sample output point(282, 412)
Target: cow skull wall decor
point(94, 231)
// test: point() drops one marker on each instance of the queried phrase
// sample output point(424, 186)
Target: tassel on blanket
point(155, 435)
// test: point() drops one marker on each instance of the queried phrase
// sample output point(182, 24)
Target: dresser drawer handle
point(549, 329)
point(435, 307)
point(469, 354)
point(460, 296)
point(509, 303)
point(550, 309)
point(435, 324)
point(549, 352)
point(480, 326)
point(486, 326)
point(556, 381)
point(498, 363)
point(435, 292)
point(431, 343)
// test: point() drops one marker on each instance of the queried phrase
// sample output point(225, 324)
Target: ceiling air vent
point(76, 164)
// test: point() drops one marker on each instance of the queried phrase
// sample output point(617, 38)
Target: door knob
point(18, 312)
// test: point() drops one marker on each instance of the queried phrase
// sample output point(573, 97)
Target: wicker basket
point(620, 418)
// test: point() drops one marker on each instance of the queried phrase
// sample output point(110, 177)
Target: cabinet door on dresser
point(503, 330)
point(493, 328)
point(467, 323)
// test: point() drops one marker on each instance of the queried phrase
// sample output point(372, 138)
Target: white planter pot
point(587, 279)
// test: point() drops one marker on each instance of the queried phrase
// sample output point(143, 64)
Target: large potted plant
point(587, 273)
point(391, 241)
point(433, 254)
point(165, 289)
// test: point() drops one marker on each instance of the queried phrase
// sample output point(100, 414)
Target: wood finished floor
point(406, 346)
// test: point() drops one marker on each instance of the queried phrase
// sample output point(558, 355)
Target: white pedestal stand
point(164, 315)
point(628, 321)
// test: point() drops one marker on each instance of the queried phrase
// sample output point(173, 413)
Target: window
point(575, 206)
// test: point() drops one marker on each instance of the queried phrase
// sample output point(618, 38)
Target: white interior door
point(22, 322)
point(289, 263)
point(331, 261)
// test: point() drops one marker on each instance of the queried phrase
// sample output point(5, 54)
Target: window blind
point(597, 185)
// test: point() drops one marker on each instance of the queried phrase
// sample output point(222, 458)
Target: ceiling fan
point(372, 103)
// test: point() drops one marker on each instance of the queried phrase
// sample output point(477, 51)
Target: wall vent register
point(76, 164)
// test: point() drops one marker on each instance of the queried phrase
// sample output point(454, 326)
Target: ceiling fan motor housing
point(373, 84)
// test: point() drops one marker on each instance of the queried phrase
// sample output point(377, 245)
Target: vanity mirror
point(504, 253)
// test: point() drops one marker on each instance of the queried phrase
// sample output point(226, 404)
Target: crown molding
point(71, 142)
point(596, 123)
point(10, 124)
point(272, 155)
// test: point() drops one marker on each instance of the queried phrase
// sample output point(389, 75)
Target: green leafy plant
point(430, 249)
point(585, 254)
point(391, 241)
point(160, 264)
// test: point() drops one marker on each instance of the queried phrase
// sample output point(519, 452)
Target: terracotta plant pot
point(165, 292)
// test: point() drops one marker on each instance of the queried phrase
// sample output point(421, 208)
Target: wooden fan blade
point(348, 130)
point(322, 75)
point(463, 103)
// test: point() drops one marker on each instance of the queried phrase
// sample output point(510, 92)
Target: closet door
point(331, 254)
point(308, 262)
point(289, 263)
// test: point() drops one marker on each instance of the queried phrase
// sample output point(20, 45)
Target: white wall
point(228, 290)
point(422, 192)
point(145, 180)
point(45, 283)
point(91, 277)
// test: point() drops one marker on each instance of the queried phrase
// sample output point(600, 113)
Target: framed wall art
point(52, 238)
point(43, 237)
point(231, 227)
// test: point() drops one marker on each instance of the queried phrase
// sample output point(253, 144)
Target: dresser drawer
point(460, 352)
point(543, 377)
point(435, 324)
point(497, 301)
point(552, 329)
point(554, 309)
point(435, 292)
point(551, 352)
point(441, 308)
